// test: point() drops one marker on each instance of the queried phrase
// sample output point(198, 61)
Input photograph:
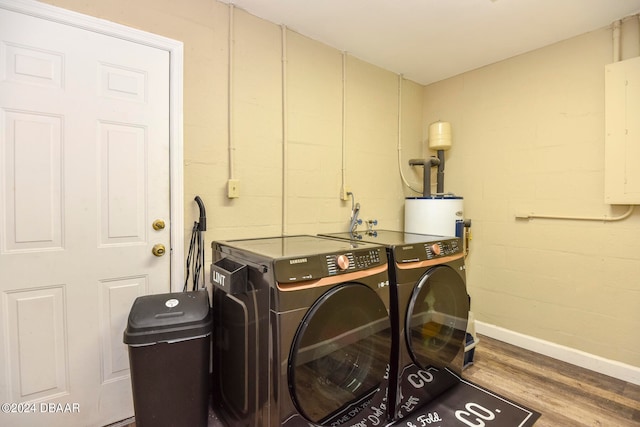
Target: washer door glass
point(436, 320)
point(340, 352)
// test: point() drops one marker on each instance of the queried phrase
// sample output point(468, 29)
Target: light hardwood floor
point(564, 394)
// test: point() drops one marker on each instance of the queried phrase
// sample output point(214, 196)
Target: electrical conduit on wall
point(285, 133)
point(343, 190)
point(404, 180)
point(230, 141)
point(627, 214)
point(605, 218)
point(616, 40)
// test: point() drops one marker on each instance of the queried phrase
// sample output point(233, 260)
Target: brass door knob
point(158, 250)
point(158, 224)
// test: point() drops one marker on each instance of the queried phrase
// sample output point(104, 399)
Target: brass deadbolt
point(158, 224)
point(158, 250)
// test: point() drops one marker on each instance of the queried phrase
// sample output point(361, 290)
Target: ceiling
point(430, 40)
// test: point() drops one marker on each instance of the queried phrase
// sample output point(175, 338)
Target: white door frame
point(176, 60)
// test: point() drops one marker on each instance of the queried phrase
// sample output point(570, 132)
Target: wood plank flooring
point(564, 394)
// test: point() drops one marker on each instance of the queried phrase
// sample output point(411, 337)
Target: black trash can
point(169, 345)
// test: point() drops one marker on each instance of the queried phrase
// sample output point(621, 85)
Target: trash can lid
point(168, 317)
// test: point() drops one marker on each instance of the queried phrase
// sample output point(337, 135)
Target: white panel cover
point(622, 132)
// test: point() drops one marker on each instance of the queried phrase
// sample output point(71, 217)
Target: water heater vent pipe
point(426, 181)
point(440, 176)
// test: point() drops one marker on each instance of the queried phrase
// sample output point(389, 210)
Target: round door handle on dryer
point(158, 250)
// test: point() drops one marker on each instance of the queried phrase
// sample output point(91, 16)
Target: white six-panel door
point(84, 172)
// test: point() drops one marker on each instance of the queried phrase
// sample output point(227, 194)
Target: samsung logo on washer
point(297, 261)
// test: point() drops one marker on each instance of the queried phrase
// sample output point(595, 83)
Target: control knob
point(342, 261)
point(435, 248)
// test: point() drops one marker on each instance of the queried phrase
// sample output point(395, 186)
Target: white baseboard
point(585, 360)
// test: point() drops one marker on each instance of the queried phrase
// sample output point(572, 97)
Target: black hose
point(195, 256)
point(190, 260)
point(202, 223)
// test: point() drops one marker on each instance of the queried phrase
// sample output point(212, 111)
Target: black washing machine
point(429, 289)
point(302, 332)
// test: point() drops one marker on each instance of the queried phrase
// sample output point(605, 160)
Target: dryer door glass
point(436, 320)
point(340, 354)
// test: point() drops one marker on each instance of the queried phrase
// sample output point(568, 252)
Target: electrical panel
point(622, 133)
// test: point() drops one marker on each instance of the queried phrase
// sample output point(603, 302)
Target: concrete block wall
point(529, 138)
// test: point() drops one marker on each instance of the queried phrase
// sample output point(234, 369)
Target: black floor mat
point(468, 404)
point(464, 405)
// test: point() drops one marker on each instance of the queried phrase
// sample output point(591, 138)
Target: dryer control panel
point(352, 261)
point(326, 265)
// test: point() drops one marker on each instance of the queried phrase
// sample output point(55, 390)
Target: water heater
point(436, 215)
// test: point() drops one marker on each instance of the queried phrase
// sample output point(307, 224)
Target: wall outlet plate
point(233, 188)
point(344, 190)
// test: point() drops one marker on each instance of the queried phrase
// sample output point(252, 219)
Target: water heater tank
point(435, 215)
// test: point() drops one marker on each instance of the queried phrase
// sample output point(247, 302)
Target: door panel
point(84, 171)
point(30, 65)
point(116, 297)
point(123, 184)
point(36, 327)
point(32, 173)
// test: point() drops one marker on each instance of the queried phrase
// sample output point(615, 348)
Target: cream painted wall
point(529, 137)
point(287, 188)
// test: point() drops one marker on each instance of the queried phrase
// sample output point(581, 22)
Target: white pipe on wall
point(579, 218)
point(230, 140)
point(616, 40)
point(404, 180)
point(285, 133)
point(343, 191)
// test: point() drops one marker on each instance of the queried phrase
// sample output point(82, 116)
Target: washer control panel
point(443, 248)
point(424, 251)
